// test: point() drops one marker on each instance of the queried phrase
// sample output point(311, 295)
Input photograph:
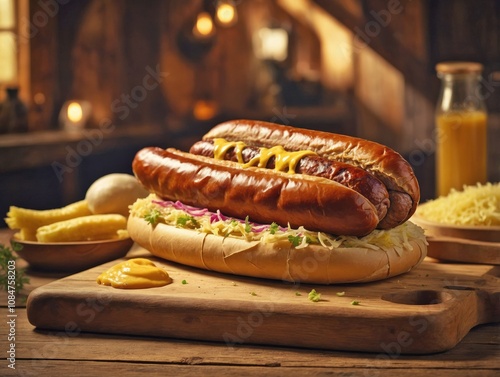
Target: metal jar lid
point(459, 67)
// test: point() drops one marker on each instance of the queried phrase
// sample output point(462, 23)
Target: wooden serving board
point(427, 310)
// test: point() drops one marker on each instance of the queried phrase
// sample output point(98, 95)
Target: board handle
point(490, 296)
point(487, 291)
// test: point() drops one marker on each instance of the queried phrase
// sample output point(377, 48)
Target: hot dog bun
point(386, 164)
point(279, 260)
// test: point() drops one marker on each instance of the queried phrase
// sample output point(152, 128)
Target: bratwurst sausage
point(384, 163)
point(353, 177)
point(264, 195)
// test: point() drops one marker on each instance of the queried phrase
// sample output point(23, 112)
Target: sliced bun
point(280, 261)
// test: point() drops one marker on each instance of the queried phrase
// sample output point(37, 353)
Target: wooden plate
point(480, 244)
point(477, 233)
point(72, 256)
point(461, 250)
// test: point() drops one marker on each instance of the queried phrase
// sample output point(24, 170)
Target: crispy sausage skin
point(264, 195)
point(353, 177)
point(384, 163)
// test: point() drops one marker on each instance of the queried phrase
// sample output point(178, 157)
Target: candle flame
point(75, 112)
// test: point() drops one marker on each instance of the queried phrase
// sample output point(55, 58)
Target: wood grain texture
point(134, 369)
point(469, 244)
point(463, 250)
point(52, 352)
point(41, 350)
point(427, 310)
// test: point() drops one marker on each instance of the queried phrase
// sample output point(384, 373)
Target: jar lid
point(459, 67)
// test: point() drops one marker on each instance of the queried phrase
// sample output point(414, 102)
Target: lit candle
point(74, 115)
point(75, 112)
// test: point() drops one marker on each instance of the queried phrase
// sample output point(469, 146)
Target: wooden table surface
point(50, 353)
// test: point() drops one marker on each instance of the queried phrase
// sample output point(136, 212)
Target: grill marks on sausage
point(384, 163)
point(282, 198)
point(350, 176)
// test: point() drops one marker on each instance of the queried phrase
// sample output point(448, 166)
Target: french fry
point(26, 234)
point(29, 220)
point(85, 228)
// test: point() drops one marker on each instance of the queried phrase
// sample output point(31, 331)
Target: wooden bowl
point(72, 256)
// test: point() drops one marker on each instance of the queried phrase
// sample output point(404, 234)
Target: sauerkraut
point(202, 220)
point(477, 205)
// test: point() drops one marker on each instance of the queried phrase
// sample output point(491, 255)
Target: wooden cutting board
point(427, 310)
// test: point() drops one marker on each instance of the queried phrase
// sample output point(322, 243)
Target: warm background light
point(226, 13)
point(272, 44)
point(8, 52)
point(74, 115)
point(205, 109)
point(7, 14)
point(337, 70)
point(204, 26)
point(39, 99)
point(75, 112)
point(8, 47)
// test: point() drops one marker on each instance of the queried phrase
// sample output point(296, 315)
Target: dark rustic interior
point(349, 69)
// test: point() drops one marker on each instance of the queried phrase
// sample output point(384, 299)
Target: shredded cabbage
point(202, 220)
point(475, 205)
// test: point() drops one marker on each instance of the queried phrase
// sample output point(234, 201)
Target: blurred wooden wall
point(365, 67)
point(395, 46)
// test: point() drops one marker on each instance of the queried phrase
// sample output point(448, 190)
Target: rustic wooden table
point(50, 353)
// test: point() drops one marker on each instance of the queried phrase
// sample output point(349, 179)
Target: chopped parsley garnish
point(7, 263)
point(184, 281)
point(248, 226)
point(354, 302)
point(184, 219)
point(152, 216)
point(314, 296)
point(295, 240)
point(273, 228)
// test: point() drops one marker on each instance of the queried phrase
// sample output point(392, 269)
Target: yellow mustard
point(133, 274)
point(221, 146)
point(284, 160)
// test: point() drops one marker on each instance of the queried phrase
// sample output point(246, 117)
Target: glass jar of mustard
point(461, 127)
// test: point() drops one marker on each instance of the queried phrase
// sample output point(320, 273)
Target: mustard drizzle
point(284, 161)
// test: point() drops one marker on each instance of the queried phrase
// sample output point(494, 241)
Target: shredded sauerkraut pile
point(475, 205)
point(180, 215)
